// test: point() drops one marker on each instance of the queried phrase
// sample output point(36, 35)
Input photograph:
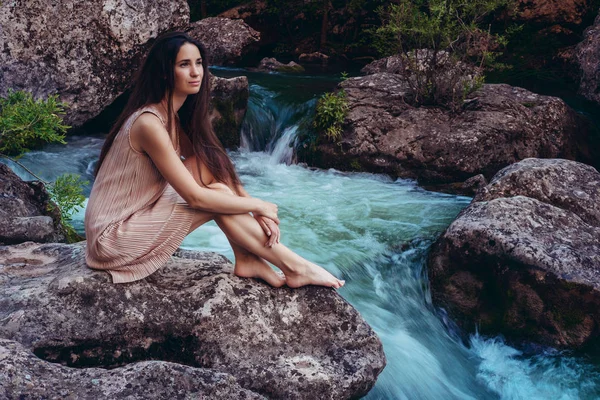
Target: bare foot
point(255, 267)
point(312, 274)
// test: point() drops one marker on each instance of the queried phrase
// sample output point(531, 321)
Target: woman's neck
point(177, 102)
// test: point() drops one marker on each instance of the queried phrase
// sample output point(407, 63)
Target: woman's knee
point(221, 187)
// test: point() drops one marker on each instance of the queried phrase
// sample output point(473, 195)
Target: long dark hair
point(154, 80)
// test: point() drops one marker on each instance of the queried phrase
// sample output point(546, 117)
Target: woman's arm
point(269, 226)
point(153, 139)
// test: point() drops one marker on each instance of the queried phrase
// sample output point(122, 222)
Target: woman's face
point(188, 70)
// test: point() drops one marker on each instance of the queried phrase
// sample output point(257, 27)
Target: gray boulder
point(588, 57)
point(497, 126)
point(228, 106)
point(281, 343)
point(24, 213)
point(523, 258)
point(269, 64)
point(23, 375)
point(84, 51)
point(227, 40)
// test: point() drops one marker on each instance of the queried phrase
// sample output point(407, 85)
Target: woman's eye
point(183, 64)
point(198, 62)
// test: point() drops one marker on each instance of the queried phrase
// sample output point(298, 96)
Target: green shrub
point(67, 193)
point(444, 44)
point(27, 123)
point(330, 113)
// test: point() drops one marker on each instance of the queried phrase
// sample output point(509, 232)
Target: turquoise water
point(374, 232)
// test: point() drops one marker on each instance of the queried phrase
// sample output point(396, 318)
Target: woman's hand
point(268, 210)
point(271, 230)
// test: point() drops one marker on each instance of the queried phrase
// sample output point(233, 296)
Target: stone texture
point(24, 214)
point(23, 376)
point(588, 57)
point(281, 343)
point(523, 259)
point(551, 11)
point(228, 106)
point(271, 64)
point(227, 40)
point(84, 51)
point(497, 126)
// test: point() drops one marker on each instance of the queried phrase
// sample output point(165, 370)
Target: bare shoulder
point(147, 127)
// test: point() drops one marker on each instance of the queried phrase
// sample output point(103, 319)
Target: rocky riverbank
point(215, 333)
point(443, 150)
point(523, 259)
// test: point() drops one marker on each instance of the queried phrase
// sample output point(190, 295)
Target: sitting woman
point(162, 173)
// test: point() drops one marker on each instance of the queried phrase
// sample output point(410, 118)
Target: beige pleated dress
point(134, 220)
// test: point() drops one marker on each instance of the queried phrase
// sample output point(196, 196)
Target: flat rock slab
point(523, 258)
point(281, 343)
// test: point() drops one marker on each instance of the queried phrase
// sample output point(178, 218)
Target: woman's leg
point(245, 232)
point(247, 264)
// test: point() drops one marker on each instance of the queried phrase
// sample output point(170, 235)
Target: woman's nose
point(196, 70)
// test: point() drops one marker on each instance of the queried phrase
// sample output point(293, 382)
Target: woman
point(162, 173)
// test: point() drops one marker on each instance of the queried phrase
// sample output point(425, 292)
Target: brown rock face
point(23, 211)
point(588, 57)
point(499, 125)
point(227, 40)
point(551, 11)
point(524, 258)
point(283, 343)
point(84, 51)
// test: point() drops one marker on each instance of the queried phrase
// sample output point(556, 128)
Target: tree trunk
point(203, 8)
point(324, 23)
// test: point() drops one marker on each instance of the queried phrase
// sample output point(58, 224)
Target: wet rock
point(282, 343)
point(24, 214)
point(314, 58)
point(588, 57)
point(228, 106)
point(271, 64)
point(523, 259)
point(23, 375)
point(497, 126)
point(227, 40)
point(84, 51)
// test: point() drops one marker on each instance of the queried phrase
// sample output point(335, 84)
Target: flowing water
point(374, 232)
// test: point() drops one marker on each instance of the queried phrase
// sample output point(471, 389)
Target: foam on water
point(375, 233)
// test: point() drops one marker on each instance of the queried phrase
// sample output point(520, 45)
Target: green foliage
point(25, 122)
point(445, 44)
point(67, 193)
point(330, 113)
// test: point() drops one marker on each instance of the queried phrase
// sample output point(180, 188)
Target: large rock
point(84, 51)
point(24, 211)
point(227, 40)
point(498, 125)
point(588, 57)
point(23, 375)
point(228, 106)
point(523, 258)
point(282, 343)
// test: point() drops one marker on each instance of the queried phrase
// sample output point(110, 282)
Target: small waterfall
point(272, 124)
